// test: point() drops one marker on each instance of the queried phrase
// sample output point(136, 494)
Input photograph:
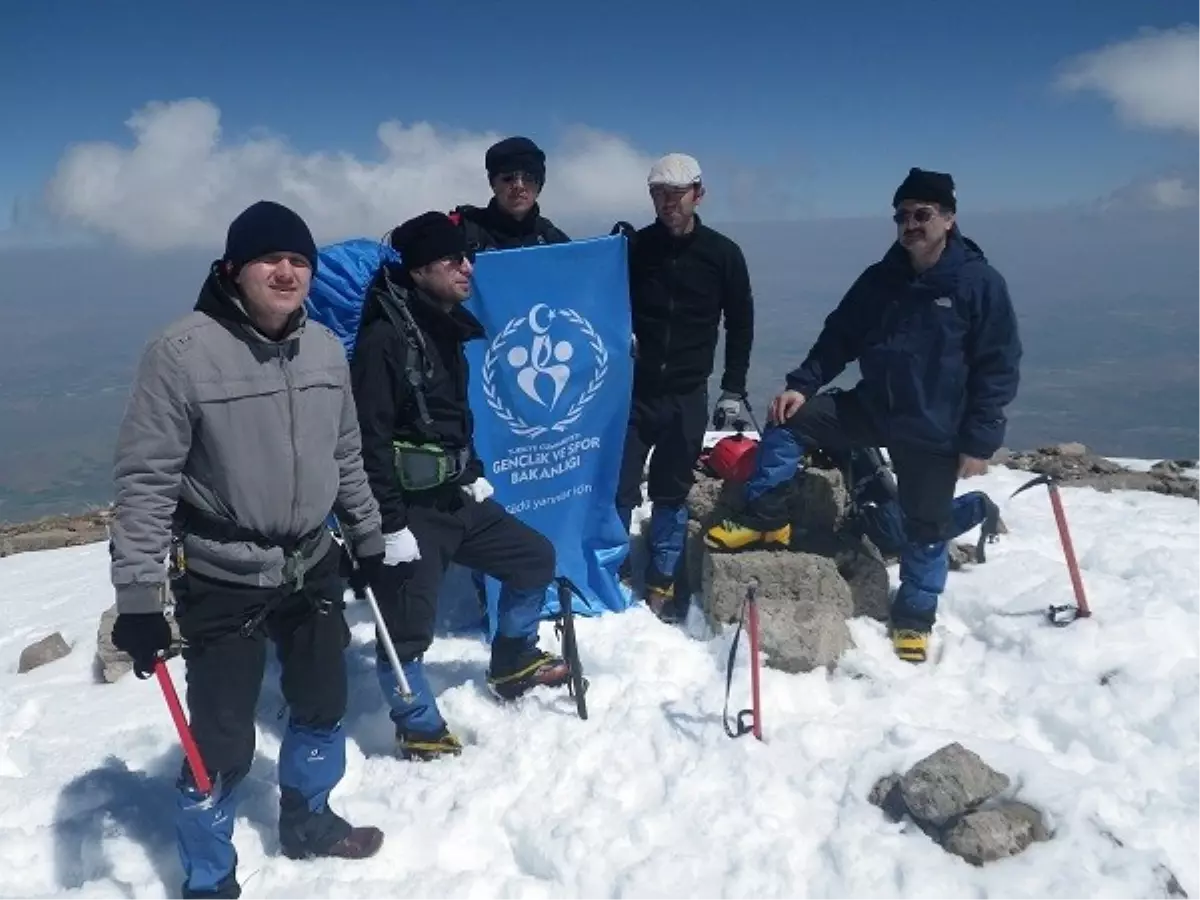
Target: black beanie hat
point(926, 186)
point(268, 227)
point(426, 238)
point(516, 154)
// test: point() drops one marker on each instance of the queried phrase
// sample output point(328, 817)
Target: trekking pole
point(749, 612)
point(402, 686)
point(195, 763)
point(578, 685)
point(1062, 616)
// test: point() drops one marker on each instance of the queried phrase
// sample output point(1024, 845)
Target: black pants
point(673, 425)
point(482, 536)
point(225, 669)
point(925, 480)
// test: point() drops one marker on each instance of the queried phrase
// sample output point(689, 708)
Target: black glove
point(144, 636)
point(367, 574)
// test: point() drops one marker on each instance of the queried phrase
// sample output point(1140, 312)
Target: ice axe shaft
point(195, 763)
point(752, 614)
point(1082, 610)
point(385, 637)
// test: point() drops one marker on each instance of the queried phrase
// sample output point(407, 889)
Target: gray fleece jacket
point(261, 434)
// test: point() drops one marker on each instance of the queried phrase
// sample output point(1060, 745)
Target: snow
point(649, 797)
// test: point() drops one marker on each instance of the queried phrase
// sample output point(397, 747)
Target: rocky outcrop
point(1075, 464)
point(54, 532)
point(808, 590)
point(959, 801)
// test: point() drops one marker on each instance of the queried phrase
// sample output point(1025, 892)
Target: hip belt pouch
point(421, 467)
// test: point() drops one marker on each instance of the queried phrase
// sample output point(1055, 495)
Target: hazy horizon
point(1107, 303)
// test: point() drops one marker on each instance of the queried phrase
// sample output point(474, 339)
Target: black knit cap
point(426, 238)
point(928, 187)
point(516, 154)
point(268, 227)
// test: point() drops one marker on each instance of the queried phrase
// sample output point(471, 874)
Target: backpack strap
point(416, 357)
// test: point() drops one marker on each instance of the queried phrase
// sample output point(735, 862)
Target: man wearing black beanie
point(410, 380)
point(935, 336)
point(516, 171)
point(239, 440)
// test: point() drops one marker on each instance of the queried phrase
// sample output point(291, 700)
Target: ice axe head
point(1047, 480)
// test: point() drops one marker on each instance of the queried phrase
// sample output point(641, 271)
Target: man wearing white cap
point(683, 278)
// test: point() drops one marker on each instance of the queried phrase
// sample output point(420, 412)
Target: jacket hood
point(219, 299)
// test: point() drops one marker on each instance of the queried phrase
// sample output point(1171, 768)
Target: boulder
point(803, 604)
point(47, 650)
point(949, 783)
point(987, 835)
point(953, 797)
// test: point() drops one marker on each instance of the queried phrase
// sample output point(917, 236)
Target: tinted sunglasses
point(920, 216)
point(525, 177)
point(456, 259)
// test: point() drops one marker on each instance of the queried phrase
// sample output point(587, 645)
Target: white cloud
point(1152, 79)
point(1171, 193)
point(180, 185)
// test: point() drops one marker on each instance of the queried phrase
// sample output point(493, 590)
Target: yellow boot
point(729, 535)
point(911, 645)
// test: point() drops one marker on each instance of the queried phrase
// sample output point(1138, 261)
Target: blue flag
point(550, 391)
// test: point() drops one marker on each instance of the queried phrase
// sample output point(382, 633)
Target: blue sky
point(794, 109)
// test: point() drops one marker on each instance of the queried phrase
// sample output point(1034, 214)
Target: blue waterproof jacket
point(938, 351)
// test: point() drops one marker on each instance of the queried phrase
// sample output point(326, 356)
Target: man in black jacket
point(683, 278)
point(419, 454)
point(516, 170)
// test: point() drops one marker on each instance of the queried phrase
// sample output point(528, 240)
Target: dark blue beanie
point(268, 227)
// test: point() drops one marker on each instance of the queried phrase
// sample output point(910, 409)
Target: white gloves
point(479, 489)
point(400, 547)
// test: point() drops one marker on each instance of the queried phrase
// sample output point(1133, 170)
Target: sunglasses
point(456, 259)
point(921, 215)
point(524, 177)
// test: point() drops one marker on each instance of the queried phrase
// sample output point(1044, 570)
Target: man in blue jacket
point(935, 336)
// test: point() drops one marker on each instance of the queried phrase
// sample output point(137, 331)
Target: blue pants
point(673, 426)
point(925, 484)
point(483, 537)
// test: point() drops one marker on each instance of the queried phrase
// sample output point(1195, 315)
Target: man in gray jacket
point(239, 439)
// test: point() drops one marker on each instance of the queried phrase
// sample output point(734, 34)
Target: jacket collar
point(219, 299)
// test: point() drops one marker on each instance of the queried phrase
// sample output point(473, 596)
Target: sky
point(153, 124)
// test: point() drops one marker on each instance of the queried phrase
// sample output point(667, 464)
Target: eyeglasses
point(523, 177)
point(455, 260)
point(920, 215)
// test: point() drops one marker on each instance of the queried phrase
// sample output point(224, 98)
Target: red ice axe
point(750, 612)
point(1062, 615)
point(199, 773)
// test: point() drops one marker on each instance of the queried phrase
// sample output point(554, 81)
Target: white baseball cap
point(675, 170)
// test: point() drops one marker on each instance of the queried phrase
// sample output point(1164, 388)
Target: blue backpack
point(344, 272)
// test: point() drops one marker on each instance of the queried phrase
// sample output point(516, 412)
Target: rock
point(986, 835)
point(948, 783)
point(1017, 809)
point(47, 650)
point(820, 504)
point(51, 539)
point(886, 795)
point(803, 604)
point(1070, 449)
point(111, 663)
